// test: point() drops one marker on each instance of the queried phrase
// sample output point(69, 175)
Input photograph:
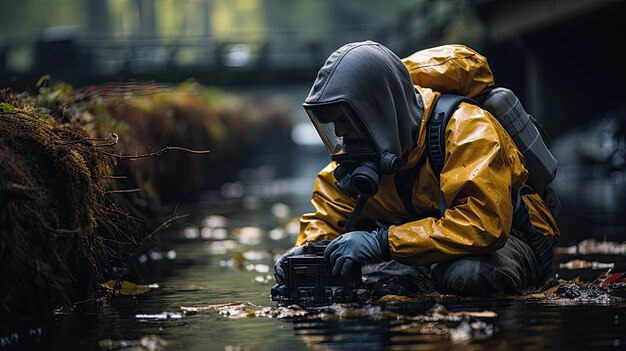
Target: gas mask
point(349, 144)
point(363, 105)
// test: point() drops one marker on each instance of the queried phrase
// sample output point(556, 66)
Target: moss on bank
point(148, 116)
point(59, 226)
point(66, 217)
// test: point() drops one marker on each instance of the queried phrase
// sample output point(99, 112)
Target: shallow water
point(225, 251)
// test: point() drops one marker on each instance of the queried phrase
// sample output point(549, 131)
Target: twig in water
point(156, 153)
point(123, 191)
point(114, 177)
point(162, 226)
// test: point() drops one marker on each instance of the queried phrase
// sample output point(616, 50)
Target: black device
point(308, 279)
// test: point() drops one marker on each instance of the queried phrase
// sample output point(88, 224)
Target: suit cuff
point(383, 241)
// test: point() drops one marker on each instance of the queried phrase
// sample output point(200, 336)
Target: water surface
point(223, 253)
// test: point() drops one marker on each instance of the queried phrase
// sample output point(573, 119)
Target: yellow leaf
point(125, 288)
point(481, 314)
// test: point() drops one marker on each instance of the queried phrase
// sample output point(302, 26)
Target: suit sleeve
point(480, 169)
point(332, 209)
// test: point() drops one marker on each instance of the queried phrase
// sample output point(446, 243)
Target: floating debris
point(438, 313)
point(215, 221)
point(238, 309)
point(591, 246)
point(437, 321)
point(281, 312)
point(223, 246)
point(162, 315)
point(378, 312)
point(125, 288)
point(465, 331)
point(248, 235)
point(337, 311)
point(210, 307)
point(605, 289)
point(458, 326)
point(146, 343)
point(583, 264)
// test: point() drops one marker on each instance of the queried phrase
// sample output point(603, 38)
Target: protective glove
point(279, 269)
point(359, 247)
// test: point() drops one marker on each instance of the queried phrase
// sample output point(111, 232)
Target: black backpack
point(525, 131)
point(528, 136)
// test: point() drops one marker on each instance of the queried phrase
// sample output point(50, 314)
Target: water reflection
point(591, 179)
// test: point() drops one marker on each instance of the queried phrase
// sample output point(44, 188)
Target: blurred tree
point(99, 22)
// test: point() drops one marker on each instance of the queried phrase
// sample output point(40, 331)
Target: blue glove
point(279, 269)
point(359, 247)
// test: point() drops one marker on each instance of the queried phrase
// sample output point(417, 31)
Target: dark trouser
point(510, 269)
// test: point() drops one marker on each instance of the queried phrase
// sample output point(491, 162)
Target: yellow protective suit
point(482, 169)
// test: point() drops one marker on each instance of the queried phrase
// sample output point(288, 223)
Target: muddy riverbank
point(89, 177)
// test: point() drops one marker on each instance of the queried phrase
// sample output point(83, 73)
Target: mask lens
point(340, 133)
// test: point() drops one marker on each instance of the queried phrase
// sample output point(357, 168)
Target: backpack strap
point(404, 181)
point(436, 128)
point(436, 133)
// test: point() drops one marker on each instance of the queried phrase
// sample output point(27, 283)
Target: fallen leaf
point(210, 307)
point(126, 288)
point(613, 278)
point(438, 312)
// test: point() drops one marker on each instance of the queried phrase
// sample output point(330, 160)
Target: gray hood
point(377, 85)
